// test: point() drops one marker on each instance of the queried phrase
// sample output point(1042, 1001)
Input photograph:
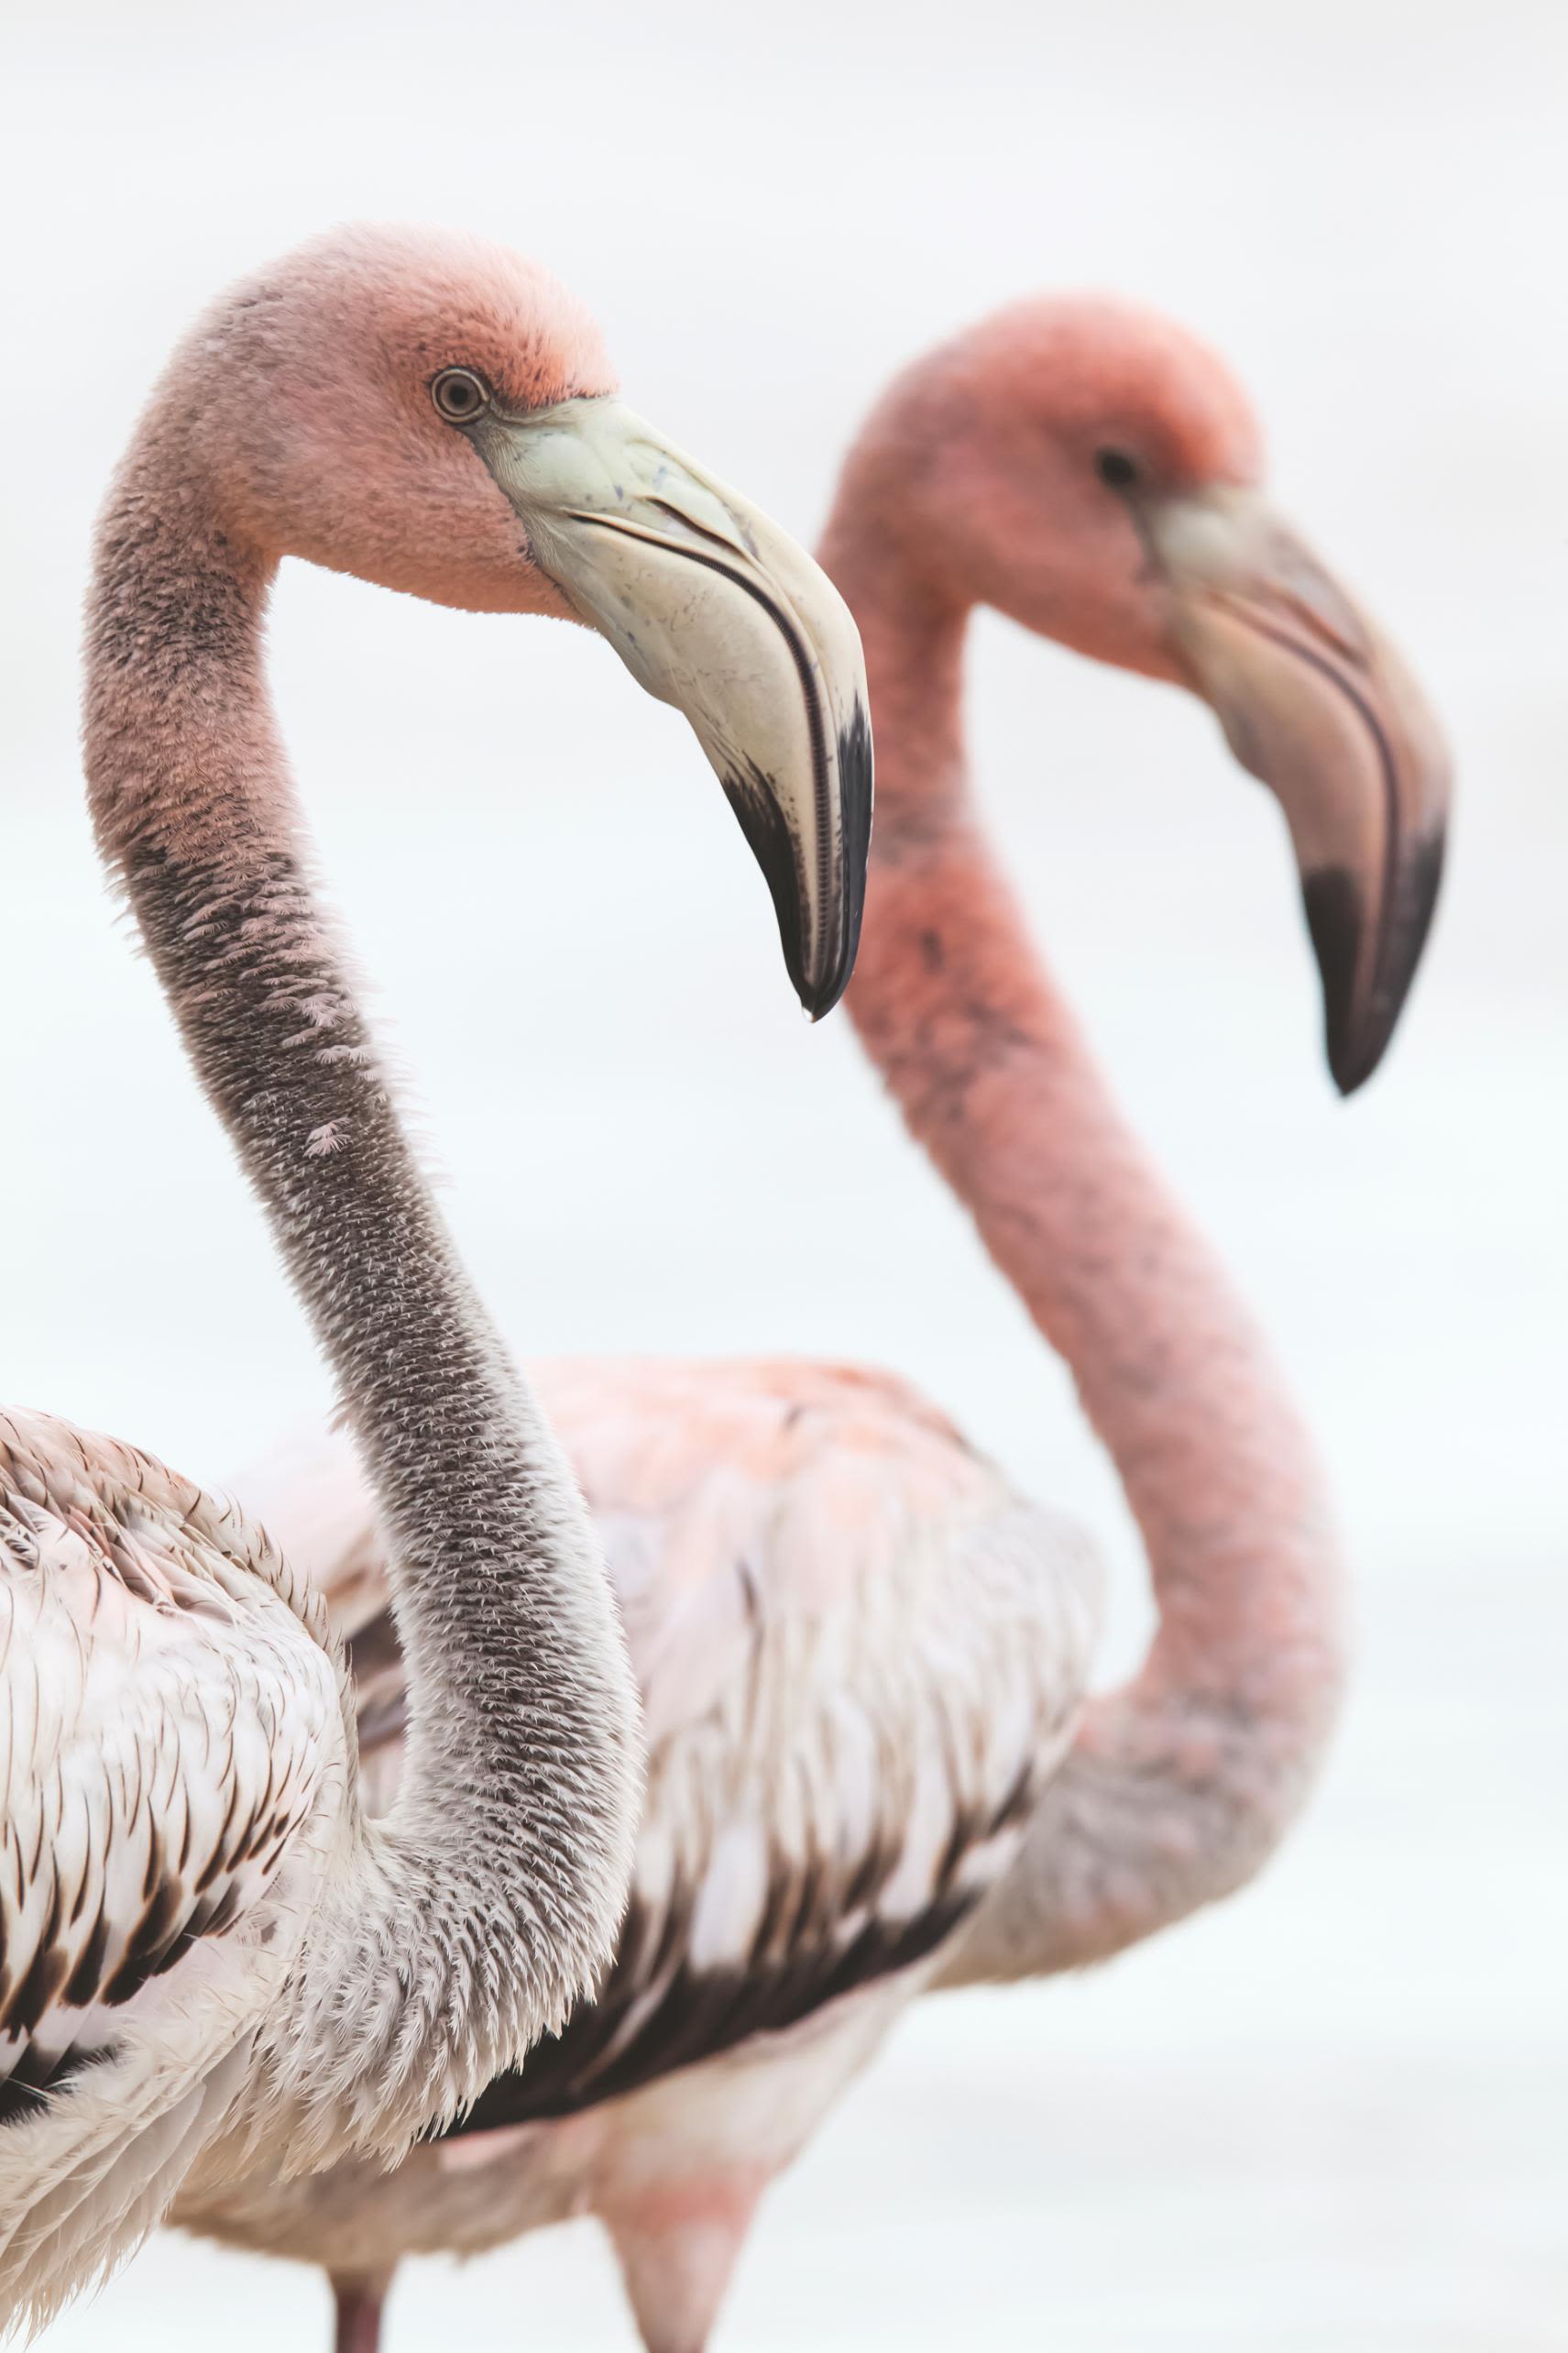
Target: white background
point(1331, 2114)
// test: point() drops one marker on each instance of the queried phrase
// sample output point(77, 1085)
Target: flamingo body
point(861, 1656)
point(176, 1767)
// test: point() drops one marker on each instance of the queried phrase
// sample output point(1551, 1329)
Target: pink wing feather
point(861, 1657)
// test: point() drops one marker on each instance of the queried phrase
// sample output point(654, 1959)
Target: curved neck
point(1180, 1782)
point(518, 1815)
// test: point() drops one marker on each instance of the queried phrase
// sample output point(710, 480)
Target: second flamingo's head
point(1094, 471)
point(436, 415)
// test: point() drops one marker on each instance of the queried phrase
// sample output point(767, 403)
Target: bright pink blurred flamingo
point(209, 1956)
point(860, 1652)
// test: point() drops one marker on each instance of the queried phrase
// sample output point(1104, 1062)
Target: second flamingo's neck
point(1179, 1782)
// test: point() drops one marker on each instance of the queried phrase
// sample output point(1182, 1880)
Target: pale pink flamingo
point(209, 1956)
point(862, 1654)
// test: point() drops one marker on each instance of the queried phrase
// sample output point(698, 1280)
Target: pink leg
point(678, 2251)
point(358, 2297)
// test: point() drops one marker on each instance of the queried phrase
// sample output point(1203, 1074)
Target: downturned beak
point(714, 609)
point(1314, 700)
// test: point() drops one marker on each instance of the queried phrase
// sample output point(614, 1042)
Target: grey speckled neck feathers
point(490, 1896)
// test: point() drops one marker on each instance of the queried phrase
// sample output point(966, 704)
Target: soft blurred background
point(1332, 2114)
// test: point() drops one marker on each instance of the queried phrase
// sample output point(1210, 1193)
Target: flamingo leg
point(357, 2299)
point(677, 2251)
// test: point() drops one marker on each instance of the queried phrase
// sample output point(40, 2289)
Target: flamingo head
point(438, 415)
point(1094, 471)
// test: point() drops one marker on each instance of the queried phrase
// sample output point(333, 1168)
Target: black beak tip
point(751, 795)
point(818, 1002)
point(1356, 1030)
point(1334, 920)
point(1352, 1064)
point(1361, 1013)
point(821, 989)
point(856, 786)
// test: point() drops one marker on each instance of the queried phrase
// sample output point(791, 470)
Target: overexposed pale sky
point(1330, 2114)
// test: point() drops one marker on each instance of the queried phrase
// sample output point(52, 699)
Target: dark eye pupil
point(459, 395)
point(1115, 467)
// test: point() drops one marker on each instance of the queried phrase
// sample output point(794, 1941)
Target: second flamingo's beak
point(714, 609)
point(1314, 700)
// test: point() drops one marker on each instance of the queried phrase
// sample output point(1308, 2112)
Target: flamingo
point(862, 1654)
point(209, 1956)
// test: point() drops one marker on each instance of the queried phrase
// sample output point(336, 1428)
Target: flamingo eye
point(1116, 468)
point(459, 395)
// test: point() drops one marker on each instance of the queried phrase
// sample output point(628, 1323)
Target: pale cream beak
point(714, 609)
point(1315, 701)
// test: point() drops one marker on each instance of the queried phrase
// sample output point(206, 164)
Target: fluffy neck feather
point(468, 1922)
point(1179, 1784)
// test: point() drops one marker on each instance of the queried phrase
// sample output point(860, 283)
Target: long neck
point(1180, 1783)
point(514, 1832)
